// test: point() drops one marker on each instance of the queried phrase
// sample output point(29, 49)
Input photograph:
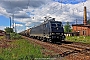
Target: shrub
point(8, 30)
point(15, 36)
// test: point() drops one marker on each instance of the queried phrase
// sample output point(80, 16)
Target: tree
point(67, 27)
point(8, 30)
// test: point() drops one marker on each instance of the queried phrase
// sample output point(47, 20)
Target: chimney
point(85, 16)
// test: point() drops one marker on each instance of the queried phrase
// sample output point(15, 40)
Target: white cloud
point(38, 9)
point(19, 25)
point(13, 6)
point(3, 12)
point(66, 12)
point(21, 15)
point(2, 27)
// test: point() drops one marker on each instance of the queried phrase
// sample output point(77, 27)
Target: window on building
point(84, 32)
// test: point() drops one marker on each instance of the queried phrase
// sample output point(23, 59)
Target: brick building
point(82, 29)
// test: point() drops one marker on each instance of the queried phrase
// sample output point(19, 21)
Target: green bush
point(1, 58)
point(15, 36)
point(8, 30)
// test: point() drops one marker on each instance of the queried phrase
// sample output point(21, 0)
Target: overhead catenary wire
point(55, 6)
point(28, 3)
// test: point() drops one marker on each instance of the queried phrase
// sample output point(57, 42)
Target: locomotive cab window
point(53, 24)
point(56, 24)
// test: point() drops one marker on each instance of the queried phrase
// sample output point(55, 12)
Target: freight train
point(50, 30)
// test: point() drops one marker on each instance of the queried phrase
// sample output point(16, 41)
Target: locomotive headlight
point(58, 33)
point(62, 33)
point(52, 33)
point(64, 36)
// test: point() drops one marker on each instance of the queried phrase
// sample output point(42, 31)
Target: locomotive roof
point(47, 20)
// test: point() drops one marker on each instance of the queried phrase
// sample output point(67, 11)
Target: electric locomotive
point(49, 30)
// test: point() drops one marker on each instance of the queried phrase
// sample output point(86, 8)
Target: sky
point(29, 13)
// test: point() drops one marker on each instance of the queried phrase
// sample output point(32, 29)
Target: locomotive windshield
point(56, 24)
point(56, 27)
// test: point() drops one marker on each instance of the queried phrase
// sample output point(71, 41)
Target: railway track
point(65, 50)
point(68, 49)
point(75, 49)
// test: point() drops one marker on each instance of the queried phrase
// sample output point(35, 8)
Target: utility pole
point(76, 21)
point(76, 24)
point(61, 4)
point(15, 28)
point(13, 21)
point(10, 22)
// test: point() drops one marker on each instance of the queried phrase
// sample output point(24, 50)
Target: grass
point(1, 37)
point(20, 50)
point(15, 36)
point(83, 39)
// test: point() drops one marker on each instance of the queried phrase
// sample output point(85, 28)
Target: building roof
point(88, 25)
point(1, 31)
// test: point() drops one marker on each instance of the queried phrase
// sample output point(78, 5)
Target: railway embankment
point(27, 48)
point(66, 50)
point(18, 49)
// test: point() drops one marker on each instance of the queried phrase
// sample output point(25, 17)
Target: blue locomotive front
point(56, 31)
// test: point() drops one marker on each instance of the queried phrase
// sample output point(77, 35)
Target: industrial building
point(82, 29)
